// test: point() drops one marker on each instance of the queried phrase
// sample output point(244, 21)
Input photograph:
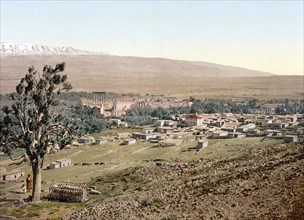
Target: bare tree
point(32, 123)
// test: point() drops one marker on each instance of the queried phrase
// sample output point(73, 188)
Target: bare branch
point(21, 157)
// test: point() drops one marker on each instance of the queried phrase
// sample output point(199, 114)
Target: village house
point(260, 122)
point(290, 139)
point(248, 121)
point(276, 124)
point(201, 144)
point(257, 131)
point(246, 128)
point(86, 140)
point(170, 123)
point(236, 135)
point(60, 163)
point(229, 129)
point(165, 130)
point(220, 134)
point(162, 123)
point(129, 142)
point(122, 135)
point(194, 120)
point(100, 141)
point(292, 118)
point(277, 134)
point(148, 130)
point(268, 121)
point(64, 162)
point(218, 123)
point(137, 135)
point(54, 165)
point(11, 175)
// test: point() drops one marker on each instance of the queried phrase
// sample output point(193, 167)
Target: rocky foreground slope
point(261, 184)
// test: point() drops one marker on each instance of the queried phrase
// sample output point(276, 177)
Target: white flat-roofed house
point(64, 162)
point(122, 135)
point(202, 144)
point(290, 139)
point(236, 135)
point(11, 175)
point(129, 142)
point(54, 165)
point(220, 134)
point(194, 120)
point(165, 130)
point(246, 128)
point(137, 135)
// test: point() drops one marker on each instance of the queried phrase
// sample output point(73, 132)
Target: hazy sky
point(260, 35)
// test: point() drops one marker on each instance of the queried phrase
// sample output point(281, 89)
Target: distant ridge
point(12, 49)
point(16, 57)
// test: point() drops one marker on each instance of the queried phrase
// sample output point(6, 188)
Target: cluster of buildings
point(171, 132)
point(220, 126)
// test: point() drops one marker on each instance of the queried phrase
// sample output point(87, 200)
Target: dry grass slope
point(156, 76)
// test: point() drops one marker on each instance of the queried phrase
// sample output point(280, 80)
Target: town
point(172, 132)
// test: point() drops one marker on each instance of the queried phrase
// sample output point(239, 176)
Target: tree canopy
point(32, 122)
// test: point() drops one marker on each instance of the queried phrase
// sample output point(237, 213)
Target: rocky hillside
point(265, 183)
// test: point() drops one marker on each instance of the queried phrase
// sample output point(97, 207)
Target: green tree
point(32, 123)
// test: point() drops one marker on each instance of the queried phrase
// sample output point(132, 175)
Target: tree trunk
point(36, 168)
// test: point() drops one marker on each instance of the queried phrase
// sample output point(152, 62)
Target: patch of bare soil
point(261, 184)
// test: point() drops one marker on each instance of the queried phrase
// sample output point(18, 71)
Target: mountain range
point(101, 62)
point(9, 49)
point(89, 71)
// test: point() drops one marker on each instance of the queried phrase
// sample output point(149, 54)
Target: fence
point(68, 192)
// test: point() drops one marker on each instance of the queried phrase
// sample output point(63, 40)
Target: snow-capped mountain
point(12, 49)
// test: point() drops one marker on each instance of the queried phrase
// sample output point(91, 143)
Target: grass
point(44, 210)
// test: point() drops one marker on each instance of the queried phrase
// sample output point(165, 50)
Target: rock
point(94, 191)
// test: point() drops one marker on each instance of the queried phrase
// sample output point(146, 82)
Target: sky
point(258, 35)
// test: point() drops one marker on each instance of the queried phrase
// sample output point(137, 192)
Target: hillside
point(262, 183)
point(89, 72)
point(242, 178)
point(133, 66)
